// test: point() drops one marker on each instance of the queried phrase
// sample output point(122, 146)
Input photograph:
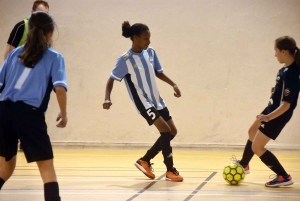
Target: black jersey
point(16, 34)
point(287, 87)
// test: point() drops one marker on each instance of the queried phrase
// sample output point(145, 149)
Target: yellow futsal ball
point(233, 173)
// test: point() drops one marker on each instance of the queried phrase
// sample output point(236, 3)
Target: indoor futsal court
point(109, 174)
point(220, 54)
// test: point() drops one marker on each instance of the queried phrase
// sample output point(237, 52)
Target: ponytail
point(37, 42)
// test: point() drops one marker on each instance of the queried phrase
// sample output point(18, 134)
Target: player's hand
point(177, 92)
point(63, 120)
point(107, 104)
point(263, 118)
point(272, 89)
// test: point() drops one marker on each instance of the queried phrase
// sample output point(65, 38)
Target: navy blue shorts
point(21, 121)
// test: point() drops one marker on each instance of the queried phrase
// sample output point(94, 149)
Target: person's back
point(27, 77)
point(37, 82)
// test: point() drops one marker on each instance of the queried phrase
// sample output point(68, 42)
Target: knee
point(174, 131)
point(257, 149)
point(251, 133)
point(6, 173)
point(167, 128)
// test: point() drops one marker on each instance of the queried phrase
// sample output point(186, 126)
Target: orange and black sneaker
point(173, 176)
point(280, 181)
point(145, 167)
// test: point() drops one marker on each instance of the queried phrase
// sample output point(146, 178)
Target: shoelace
point(150, 166)
point(175, 171)
point(274, 177)
point(233, 158)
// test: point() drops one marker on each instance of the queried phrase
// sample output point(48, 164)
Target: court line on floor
point(200, 186)
point(269, 195)
point(88, 179)
point(158, 191)
point(146, 188)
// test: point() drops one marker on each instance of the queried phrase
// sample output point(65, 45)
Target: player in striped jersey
point(139, 67)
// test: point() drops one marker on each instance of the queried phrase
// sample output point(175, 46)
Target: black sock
point(248, 154)
point(154, 150)
point(165, 138)
point(51, 191)
point(272, 162)
point(1, 183)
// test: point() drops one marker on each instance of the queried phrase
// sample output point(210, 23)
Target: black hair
point(134, 30)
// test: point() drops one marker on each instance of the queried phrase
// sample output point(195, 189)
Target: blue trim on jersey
point(162, 102)
point(147, 73)
point(138, 76)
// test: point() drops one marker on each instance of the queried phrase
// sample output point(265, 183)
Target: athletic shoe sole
point(168, 179)
point(287, 183)
point(138, 166)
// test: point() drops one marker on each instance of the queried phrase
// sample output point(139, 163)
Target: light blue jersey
point(32, 85)
point(139, 72)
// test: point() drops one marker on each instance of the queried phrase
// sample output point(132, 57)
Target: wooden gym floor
point(93, 175)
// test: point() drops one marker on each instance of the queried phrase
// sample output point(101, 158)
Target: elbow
point(60, 89)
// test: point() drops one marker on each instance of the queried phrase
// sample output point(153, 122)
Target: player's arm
point(291, 89)
point(108, 89)
point(61, 95)
point(59, 81)
point(8, 49)
point(14, 38)
point(166, 79)
point(284, 106)
point(119, 72)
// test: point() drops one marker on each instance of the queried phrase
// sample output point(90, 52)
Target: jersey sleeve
point(120, 70)
point(16, 34)
point(291, 86)
point(158, 68)
point(58, 72)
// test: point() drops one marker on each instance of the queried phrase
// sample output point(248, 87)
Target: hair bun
point(126, 29)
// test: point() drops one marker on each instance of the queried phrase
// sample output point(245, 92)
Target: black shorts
point(21, 121)
point(273, 128)
point(152, 114)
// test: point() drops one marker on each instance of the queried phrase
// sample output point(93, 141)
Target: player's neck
point(136, 49)
point(289, 61)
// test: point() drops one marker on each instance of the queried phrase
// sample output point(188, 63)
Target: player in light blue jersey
point(27, 77)
point(139, 67)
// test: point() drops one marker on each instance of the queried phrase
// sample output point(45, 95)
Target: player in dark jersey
point(140, 66)
point(27, 77)
point(18, 35)
point(277, 114)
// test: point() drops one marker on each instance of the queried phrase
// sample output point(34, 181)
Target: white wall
point(219, 52)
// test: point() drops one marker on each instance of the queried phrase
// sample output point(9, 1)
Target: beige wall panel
point(220, 53)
